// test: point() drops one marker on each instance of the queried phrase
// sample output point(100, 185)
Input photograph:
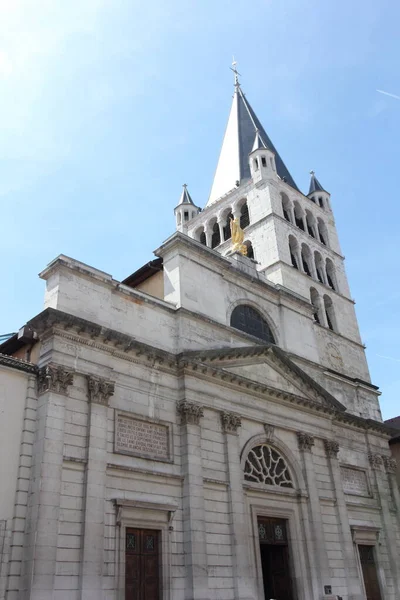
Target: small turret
point(317, 194)
point(261, 159)
point(186, 209)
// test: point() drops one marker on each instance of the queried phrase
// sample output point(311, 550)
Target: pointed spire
point(233, 162)
point(258, 142)
point(185, 196)
point(315, 185)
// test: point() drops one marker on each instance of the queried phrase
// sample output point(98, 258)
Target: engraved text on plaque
point(141, 438)
point(354, 481)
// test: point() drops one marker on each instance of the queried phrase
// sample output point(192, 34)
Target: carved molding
point(230, 422)
point(269, 431)
point(99, 390)
point(190, 412)
point(375, 460)
point(390, 464)
point(305, 441)
point(54, 378)
point(331, 448)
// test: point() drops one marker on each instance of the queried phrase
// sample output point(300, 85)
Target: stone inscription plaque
point(141, 438)
point(354, 481)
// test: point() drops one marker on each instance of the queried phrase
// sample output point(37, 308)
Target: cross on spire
point(236, 72)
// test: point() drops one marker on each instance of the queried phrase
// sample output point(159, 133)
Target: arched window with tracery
point(331, 275)
point(248, 319)
point(215, 236)
point(286, 208)
point(244, 216)
point(264, 464)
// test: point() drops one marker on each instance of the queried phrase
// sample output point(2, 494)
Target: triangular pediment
point(266, 367)
point(265, 374)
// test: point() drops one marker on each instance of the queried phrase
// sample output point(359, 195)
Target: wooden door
point(369, 572)
point(142, 566)
point(276, 575)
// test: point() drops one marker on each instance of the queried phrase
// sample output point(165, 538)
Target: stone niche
point(355, 481)
point(146, 438)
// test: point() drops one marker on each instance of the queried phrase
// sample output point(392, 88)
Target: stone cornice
point(227, 378)
point(83, 270)
point(274, 355)
point(356, 422)
point(18, 364)
point(184, 241)
point(52, 321)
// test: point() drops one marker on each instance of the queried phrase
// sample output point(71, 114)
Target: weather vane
point(234, 69)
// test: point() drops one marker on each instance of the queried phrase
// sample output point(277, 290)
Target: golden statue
point(237, 237)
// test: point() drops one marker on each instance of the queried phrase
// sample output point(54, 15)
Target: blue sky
point(108, 106)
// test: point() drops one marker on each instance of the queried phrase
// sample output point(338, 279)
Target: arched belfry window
point(244, 216)
point(266, 465)
point(249, 320)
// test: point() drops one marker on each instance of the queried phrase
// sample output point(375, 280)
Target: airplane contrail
point(387, 94)
point(388, 357)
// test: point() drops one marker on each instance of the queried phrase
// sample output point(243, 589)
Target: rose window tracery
point(266, 465)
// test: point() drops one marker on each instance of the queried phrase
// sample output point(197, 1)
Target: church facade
point(206, 428)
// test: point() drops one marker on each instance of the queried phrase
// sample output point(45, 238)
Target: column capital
point(375, 460)
point(305, 441)
point(55, 378)
point(331, 448)
point(190, 412)
point(99, 390)
point(390, 464)
point(230, 422)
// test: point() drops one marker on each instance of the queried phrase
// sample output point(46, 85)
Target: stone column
point(17, 544)
point(377, 463)
point(239, 531)
point(42, 528)
point(352, 575)
point(320, 568)
point(208, 234)
point(194, 530)
point(99, 393)
point(221, 231)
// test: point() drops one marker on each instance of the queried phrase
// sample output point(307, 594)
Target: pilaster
point(42, 527)
point(378, 464)
point(244, 588)
point(194, 530)
point(99, 393)
point(14, 584)
point(320, 566)
point(351, 570)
